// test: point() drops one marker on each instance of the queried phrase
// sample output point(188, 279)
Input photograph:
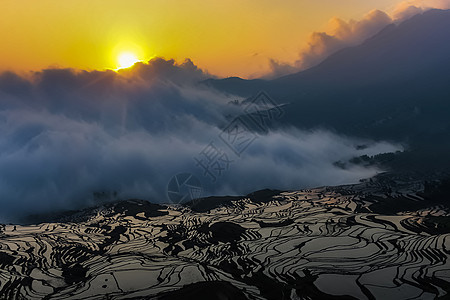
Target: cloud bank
point(66, 135)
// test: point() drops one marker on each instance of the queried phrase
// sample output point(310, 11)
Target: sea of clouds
point(68, 135)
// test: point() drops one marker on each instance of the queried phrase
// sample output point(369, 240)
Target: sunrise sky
point(227, 38)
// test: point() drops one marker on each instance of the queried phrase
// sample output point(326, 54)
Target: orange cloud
point(340, 34)
point(409, 8)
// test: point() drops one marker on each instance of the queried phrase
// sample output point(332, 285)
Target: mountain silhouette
point(394, 86)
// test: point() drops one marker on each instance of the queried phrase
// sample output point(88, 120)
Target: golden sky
point(227, 38)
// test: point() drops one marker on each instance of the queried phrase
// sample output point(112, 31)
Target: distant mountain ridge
point(394, 86)
point(399, 52)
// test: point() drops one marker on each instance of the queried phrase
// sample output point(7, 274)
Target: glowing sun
point(126, 60)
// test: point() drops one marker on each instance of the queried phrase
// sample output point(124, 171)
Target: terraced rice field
point(309, 244)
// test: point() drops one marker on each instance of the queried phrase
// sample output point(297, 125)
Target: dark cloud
point(65, 134)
